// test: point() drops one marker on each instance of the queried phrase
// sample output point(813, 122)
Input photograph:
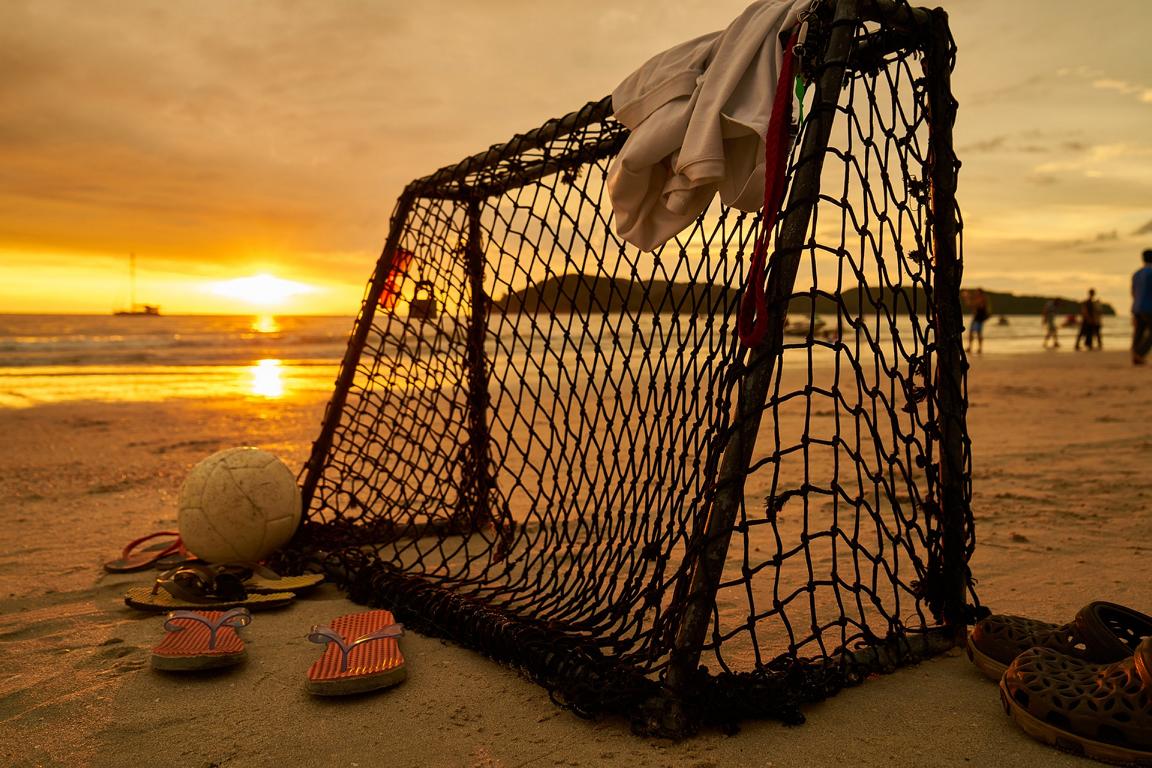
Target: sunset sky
point(225, 139)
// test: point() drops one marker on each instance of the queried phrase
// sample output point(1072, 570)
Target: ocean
point(56, 358)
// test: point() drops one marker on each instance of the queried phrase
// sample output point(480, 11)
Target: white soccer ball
point(238, 505)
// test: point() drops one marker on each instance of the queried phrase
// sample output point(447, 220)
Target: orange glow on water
point(267, 379)
point(265, 324)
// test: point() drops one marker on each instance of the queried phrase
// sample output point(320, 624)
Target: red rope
point(390, 292)
point(752, 321)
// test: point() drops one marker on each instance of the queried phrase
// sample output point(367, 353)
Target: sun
point(264, 290)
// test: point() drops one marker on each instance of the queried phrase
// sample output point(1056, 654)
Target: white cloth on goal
point(698, 114)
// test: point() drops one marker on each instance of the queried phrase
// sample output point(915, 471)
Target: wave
point(45, 340)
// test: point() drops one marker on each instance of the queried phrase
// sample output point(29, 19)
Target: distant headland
point(1011, 304)
point(583, 294)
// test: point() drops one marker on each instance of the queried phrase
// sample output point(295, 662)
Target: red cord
point(752, 320)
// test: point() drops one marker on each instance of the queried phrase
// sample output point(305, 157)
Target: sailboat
point(141, 310)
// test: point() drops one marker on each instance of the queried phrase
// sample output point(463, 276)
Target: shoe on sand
point(1101, 711)
point(137, 557)
point(260, 579)
point(146, 599)
point(187, 588)
point(361, 654)
point(1101, 632)
point(220, 586)
point(228, 579)
point(199, 640)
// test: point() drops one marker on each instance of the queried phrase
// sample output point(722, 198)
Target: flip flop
point(361, 654)
point(259, 578)
point(1101, 711)
point(262, 583)
point(1101, 632)
point(136, 557)
point(199, 640)
point(185, 589)
point(253, 578)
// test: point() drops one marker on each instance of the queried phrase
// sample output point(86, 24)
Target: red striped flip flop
point(201, 640)
point(361, 654)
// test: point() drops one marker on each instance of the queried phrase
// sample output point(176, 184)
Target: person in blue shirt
point(1142, 311)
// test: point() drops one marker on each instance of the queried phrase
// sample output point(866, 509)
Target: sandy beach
point(1062, 496)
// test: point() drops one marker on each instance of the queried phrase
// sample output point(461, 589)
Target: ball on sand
point(238, 505)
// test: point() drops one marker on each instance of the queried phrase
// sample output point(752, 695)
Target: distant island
point(591, 293)
point(1011, 304)
point(584, 294)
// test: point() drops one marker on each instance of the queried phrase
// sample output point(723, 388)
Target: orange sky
point(219, 140)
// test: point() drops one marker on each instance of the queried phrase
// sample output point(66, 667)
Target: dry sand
point(1062, 493)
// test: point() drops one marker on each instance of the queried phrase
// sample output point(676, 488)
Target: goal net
point(552, 447)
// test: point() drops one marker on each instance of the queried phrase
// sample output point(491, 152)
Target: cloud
point(1114, 162)
point(1141, 92)
point(1101, 81)
point(1120, 151)
point(298, 117)
point(205, 133)
point(993, 144)
point(1031, 142)
point(1033, 86)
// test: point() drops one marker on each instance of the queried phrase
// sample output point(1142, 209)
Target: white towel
point(698, 114)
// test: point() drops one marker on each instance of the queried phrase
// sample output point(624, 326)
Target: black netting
point(552, 447)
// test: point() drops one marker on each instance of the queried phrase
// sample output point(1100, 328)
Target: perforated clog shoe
point(1102, 711)
point(1101, 632)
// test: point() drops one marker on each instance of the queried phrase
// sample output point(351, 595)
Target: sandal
point(194, 586)
point(204, 584)
point(1101, 632)
point(137, 558)
point(229, 579)
point(148, 599)
point(261, 579)
point(1101, 711)
point(370, 660)
point(201, 640)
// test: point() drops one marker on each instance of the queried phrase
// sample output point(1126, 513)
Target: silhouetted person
point(1142, 310)
point(981, 311)
point(1090, 316)
point(1048, 320)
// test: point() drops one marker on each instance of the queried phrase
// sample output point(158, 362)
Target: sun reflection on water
point(265, 324)
point(267, 379)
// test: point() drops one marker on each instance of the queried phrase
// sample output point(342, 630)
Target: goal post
point(552, 447)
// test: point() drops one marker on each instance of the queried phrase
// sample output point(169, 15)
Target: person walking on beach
point(1048, 320)
point(1090, 314)
point(981, 311)
point(1142, 310)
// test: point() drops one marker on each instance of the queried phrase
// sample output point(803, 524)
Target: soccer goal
point(552, 447)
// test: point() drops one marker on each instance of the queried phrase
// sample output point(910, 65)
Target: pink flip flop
point(361, 654)
point(199, 640)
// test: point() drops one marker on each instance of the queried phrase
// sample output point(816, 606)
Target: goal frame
point(499, 169)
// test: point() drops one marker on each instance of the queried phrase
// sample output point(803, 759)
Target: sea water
point(56, 358)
